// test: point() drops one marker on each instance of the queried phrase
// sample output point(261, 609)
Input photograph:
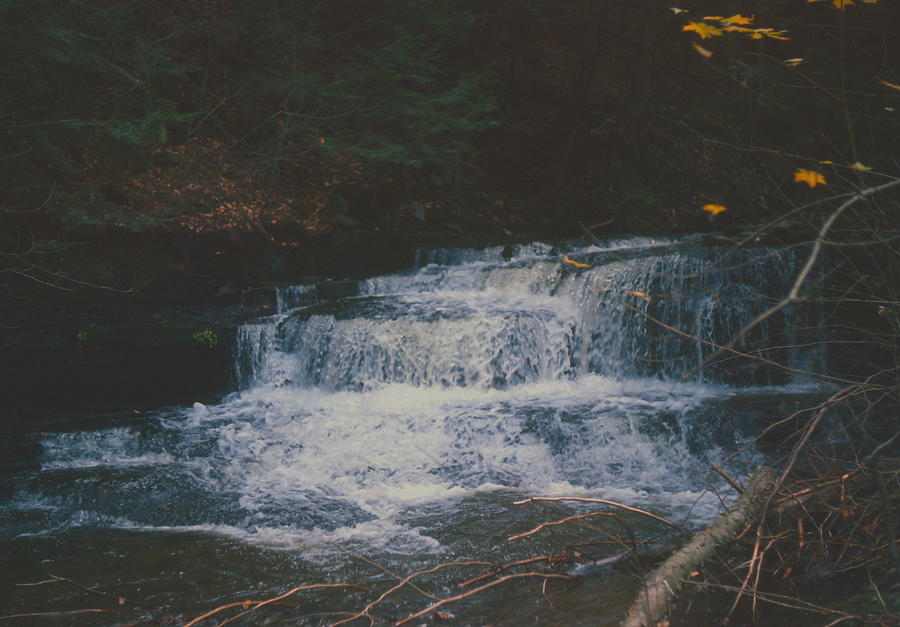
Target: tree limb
point(661, 587)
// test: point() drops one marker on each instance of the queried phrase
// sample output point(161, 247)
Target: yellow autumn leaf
point(639, 295)
point(572, 262)
point(758, 33)
point(735, 24)
point(714, 210)
point(701, 50)
point(810, 177)
point(887, 84)
point(704, 30)
point(771, 33)
point(840, 4)
point(793, 62)
point(856, 165)
point(738, 20)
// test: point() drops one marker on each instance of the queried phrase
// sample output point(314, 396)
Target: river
point(389, 431)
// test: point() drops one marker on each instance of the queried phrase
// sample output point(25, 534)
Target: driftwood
point(660, 588)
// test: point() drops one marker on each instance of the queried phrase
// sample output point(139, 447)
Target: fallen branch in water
point(385, 569)
point(661, 587)
point(734, 484)
point(405, 582)
point(582, 499)
point(554, 523)
point(499, 568)
point(120, 600)
point(463, 595)
point(63, 613)
point(258, 604)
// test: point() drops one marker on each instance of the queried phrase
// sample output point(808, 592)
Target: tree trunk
point(661, 587)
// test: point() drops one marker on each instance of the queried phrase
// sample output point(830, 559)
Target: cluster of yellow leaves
point(734, 20)
point(738, 23)
point(734, 24)
point(841, 4)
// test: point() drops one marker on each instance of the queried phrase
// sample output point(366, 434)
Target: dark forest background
point(218, 123)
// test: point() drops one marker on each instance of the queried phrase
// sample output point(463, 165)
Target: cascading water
point(506, 316)
point(385, 421)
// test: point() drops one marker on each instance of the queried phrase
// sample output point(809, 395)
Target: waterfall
point(385, 415)
point(503, 316)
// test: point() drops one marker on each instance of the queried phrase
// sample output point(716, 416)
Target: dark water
point(388, 432)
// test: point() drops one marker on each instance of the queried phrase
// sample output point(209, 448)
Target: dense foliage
point(218, 114)
point(115, 113)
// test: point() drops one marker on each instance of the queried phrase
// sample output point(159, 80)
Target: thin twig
point(582, 499)
point(62, 613)
point(794, 293)
point(404, 582)
point(463, 595)
point(554, 523)
point(775, 599)
point(734, 484)
point(807, 433)
point(392, 574)
point(872, 462)
point(56, 579)
point(258, 604)
point(725, 348)
point(824, 484)
point(501, 567)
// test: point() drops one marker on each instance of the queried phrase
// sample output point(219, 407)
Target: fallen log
point(660, 588)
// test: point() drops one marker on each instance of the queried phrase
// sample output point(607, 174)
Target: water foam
point(503, 370)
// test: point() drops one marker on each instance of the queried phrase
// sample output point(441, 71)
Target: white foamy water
point(380, 420)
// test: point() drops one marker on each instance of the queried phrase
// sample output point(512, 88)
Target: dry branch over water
point(661, 587)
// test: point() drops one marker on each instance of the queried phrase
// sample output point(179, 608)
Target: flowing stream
point(393, 429)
